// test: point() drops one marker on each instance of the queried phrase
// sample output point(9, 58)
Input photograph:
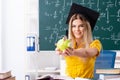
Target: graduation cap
point(89, 14)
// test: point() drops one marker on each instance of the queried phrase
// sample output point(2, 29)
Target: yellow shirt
point(80, 67)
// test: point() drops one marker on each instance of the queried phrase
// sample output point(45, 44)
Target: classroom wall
point(16, 16)
point(13, 30)
point(0, 37)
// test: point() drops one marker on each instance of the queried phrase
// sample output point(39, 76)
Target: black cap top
point(90, 14)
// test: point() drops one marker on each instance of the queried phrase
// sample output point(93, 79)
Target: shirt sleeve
point(96, 44)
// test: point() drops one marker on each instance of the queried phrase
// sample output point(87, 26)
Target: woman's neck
point(79, 42)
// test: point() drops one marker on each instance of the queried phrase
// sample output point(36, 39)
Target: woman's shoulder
point(96, 44)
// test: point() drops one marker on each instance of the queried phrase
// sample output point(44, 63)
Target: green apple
point(62, 44)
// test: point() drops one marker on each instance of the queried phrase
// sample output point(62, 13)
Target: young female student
point(81, 56)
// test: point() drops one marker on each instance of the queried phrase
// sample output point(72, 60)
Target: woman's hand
point(58, 51)
point(67, 52)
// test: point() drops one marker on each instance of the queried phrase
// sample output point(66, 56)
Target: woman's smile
point(78, 28)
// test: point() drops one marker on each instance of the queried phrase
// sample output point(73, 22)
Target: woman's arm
point(94, 50)
point(82, 52)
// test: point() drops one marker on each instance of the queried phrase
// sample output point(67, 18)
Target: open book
point(57, 77)
point(53, 77)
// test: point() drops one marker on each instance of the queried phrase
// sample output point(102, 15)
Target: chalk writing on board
point(53, 14)
point(110, 28)
point(115, 38)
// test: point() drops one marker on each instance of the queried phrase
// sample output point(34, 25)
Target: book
point(11, 78)
point(117, 62)
point(53, 77)
point(45, 78)
point(108, 71)
point(109, 76)
point(5, 74)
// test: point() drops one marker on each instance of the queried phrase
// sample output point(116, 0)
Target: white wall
point(18, 19)
point(0, 36)
point(13, 31)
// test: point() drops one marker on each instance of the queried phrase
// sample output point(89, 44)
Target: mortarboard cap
point(89, 14)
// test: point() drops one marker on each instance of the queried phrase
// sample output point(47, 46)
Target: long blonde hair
point(87, 37)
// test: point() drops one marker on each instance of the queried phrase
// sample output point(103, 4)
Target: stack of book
point(109, 74)
point(6, 75)
point(117, 62)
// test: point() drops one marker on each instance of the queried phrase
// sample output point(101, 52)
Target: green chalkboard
point(53, 14)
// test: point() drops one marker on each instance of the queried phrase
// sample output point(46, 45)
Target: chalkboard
point(53, 14)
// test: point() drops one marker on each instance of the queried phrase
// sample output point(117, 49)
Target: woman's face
point(78, 28)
